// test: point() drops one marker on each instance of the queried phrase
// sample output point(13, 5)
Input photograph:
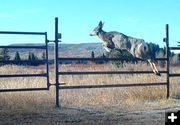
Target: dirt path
point(71, 115)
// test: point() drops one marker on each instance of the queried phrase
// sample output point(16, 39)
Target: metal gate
point(167, 72)
point(45, 61)
point(43, 47)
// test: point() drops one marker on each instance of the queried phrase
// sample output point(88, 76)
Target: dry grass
point(36, 101)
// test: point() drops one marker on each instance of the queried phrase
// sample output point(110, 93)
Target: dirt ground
point(151, 113)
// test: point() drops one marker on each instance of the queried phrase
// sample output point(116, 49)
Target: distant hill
point(80, 50)
point(65, 50)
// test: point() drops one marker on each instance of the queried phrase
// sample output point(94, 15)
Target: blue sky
point(144, 19)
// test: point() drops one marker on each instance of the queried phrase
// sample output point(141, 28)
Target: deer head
point(97, 29)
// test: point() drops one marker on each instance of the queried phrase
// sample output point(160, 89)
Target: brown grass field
point(117, 106)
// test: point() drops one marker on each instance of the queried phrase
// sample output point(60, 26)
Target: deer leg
point(153, 67)
point(157, 72)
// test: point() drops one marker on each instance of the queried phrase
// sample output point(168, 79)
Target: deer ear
point(100, 24)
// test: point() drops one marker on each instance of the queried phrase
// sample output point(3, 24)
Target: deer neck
point(102, 36)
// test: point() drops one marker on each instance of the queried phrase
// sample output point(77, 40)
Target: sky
point(144, 19)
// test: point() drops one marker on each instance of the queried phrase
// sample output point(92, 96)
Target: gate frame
point(44, 47)
point(167, 72)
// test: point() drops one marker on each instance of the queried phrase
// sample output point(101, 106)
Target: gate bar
point(23, 89)
point(104, 59)
point(22, 61)
point(25, 75)
point(107, 72)
point(24, 47)
point(174, 75)
point(22, 33)
point(111, 85)
point(174, 48)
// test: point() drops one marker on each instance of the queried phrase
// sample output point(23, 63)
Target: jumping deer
point(119, 41)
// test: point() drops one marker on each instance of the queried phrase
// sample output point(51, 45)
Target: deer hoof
point(158, 74)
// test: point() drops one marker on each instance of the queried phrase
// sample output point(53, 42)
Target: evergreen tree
point(33, 59)
point(43, 56)
point(153, 49)
point(29, 56)
point(4, 54)
point(92, 54)
point(17, 58)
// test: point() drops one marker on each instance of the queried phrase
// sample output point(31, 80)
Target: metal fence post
point(167, 54)
point(56, 62)
point(47, 60)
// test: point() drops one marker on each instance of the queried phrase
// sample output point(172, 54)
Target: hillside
point(80, 50)
point(65, 50)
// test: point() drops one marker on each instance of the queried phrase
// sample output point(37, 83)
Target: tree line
point(32, 59)
point(124, 57)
